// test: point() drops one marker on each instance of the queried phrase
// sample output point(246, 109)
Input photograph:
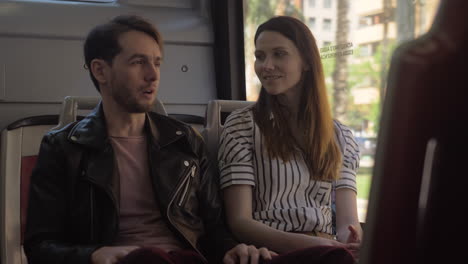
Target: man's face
point(135, 72)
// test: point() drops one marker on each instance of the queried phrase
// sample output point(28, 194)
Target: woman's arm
point(348, 228)
point(346, 215)
point(238, 203)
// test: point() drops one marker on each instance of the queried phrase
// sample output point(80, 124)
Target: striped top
point(284, 195)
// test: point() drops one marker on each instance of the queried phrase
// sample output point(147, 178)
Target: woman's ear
point(99, 70)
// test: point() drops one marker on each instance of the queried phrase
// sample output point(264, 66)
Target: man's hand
point(110, 255)
point(242, 253)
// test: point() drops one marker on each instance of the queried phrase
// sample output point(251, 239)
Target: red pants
point(312, 255)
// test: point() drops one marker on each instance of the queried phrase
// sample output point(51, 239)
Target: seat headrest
point(71, 105)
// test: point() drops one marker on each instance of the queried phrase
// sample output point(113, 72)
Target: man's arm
point(219, 238)
point(46, 234)
point(220, 245)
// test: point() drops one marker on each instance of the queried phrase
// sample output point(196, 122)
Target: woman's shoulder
point(345, 136)
point(242, 116)
point(341, 128)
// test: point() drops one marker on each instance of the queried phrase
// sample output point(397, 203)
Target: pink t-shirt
point(141, 222)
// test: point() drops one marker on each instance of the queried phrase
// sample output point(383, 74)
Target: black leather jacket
point(73, 201)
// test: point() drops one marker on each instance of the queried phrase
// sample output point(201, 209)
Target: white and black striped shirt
point(285, 196)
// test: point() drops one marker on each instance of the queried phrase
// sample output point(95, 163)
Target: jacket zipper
point(188, 176)
point(187, 182)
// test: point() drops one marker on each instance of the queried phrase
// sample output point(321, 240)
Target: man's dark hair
point(102, 42)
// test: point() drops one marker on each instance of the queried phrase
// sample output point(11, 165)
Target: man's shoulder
point(165, 120)
point(61, 133)
point(66, 136)
point(175, 124)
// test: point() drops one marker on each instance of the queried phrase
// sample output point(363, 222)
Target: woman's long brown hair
point(321, 149)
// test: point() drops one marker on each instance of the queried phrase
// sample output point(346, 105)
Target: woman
point(281, 158)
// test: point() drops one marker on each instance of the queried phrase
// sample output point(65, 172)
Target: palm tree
point(387, 16)
point(340, 73)
point(405, 20)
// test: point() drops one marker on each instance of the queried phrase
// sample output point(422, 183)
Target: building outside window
point(327, 24)
point(312, 22)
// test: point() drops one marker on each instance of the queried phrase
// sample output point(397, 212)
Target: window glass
point(96, 1)
point(374, 29)
point(312, 22)
point(327, 24)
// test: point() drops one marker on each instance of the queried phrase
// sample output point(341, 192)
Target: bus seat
point(20, 143)
point(159, 107)
point(71, 105)
point(197, 122)
point(216, 113)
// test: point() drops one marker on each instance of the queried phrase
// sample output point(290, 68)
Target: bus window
point(355, 39)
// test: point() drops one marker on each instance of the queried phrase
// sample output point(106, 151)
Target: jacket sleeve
point(218, 239)
point(46, 239)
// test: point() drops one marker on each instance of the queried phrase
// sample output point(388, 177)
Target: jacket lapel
point(91, 132)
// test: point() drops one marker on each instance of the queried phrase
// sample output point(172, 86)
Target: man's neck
point(121, 123)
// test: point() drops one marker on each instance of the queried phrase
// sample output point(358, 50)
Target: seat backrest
point(20, 143)
point(197, 122)
point(216, 113)
point(71, 105)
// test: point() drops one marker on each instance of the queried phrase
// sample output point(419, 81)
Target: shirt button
point(178, 133)
point(186, 163)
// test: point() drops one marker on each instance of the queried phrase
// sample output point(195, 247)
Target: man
point(124, 184)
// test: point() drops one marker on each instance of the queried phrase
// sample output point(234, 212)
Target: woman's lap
point(314, 255)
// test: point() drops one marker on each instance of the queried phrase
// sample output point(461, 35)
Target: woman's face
point(278, 64)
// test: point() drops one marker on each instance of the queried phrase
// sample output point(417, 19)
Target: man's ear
point(99, 68)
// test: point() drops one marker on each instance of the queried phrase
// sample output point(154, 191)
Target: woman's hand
point(354, 235)
point(353, 243)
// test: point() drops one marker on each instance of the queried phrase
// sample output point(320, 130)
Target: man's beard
point(123, 97)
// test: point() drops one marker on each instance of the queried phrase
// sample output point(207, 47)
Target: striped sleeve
point(236, 150)
point(351, 157)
